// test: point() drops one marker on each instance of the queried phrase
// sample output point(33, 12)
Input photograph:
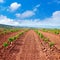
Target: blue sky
point(30, 13)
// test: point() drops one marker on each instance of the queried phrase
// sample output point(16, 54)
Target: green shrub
point(15, 37)
point(11, 39)
point(5, 44)
point(56, 32)
point(39, 33)
point(5, 32)
point(12, 31)
point(46, 39)
point(51, 44)
point(41, 36)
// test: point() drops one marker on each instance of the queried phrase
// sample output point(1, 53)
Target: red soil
point(4, 37)
point(29, 47)
point(53, 38)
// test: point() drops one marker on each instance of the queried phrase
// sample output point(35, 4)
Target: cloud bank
point(28, 13)
point(25, 14)
point(8, 21)
point(54, 20)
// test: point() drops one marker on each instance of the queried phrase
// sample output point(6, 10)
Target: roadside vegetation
point(13, 38)
point(8, 30)
point(5, 44)
point(51, 44)
point(55, 31)
point(46, 40)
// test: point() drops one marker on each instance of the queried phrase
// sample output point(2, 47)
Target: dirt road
point(31, 49)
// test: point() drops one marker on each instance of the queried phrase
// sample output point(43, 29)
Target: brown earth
point(4, 37)
point(30, 47)
point(53, 38)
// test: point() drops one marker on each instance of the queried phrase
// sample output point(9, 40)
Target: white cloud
point(28, 13)
point(8, 21)
point(25, 14)
point(14, 6)
point(54, 20)
point(1, 1)
point(56, 15)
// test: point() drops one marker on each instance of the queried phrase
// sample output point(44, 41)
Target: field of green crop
point(55, 31)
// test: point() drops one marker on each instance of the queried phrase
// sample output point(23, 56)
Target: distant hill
point(9, 26)
point(6, 26)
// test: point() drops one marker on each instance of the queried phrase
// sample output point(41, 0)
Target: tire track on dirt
point(31, 49)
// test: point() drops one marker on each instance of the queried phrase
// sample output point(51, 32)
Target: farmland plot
point(4, 37)
point(29, 46)
point(54, 38)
